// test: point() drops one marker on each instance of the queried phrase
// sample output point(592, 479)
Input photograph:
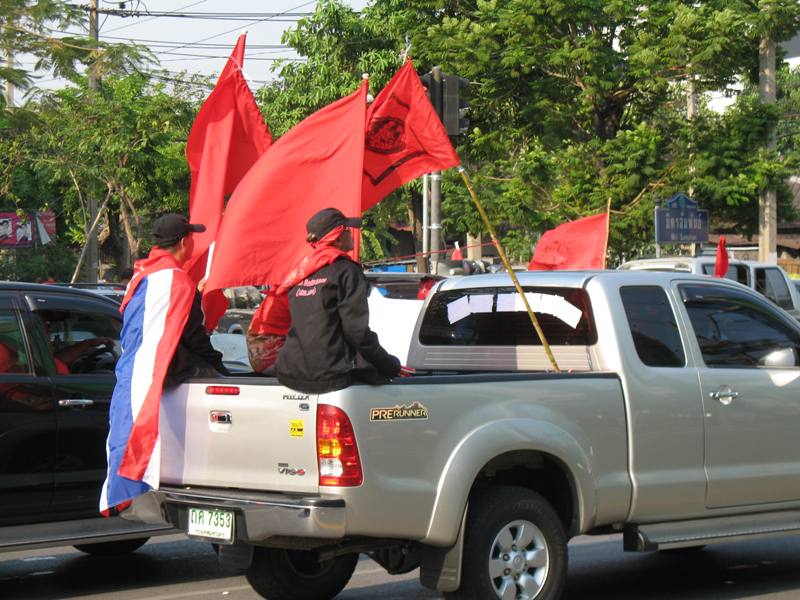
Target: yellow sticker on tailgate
point(296, 428)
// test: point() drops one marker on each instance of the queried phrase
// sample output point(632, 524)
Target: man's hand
point(201, 285)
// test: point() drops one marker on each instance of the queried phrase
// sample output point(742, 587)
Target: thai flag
point(153, 320)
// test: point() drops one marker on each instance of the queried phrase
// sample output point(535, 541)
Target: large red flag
point(405, 139)
point(227, 138)
point(721, 265)
point(575, 245)
point(315, 165)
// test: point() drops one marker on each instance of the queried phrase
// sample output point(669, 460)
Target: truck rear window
point(497, 317)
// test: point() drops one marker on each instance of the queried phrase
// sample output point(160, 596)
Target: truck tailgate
point(250, 435)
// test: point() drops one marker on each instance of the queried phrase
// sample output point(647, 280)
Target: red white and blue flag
point(155, 309)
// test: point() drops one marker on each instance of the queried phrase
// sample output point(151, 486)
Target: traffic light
point(434, 90)
point(447, 95)
point(454, 105)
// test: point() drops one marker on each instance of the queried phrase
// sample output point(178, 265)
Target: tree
point(42, 28)
point(124, 143)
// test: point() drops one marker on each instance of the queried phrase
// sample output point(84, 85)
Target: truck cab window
point(13, 355)
point(497, 317)
point(771, 283)
point(653, 326)
point(735, 329)
point(738, 273)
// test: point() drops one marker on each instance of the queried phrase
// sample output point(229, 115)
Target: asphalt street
point(172, 568)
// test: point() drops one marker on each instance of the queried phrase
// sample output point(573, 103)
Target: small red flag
point(721, 266)
point(575, 245)
point(316, 165)
point(227, 138)
point(457, 254)
point(405, 138)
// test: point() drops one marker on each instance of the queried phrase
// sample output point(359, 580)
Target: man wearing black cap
point(163, 343)
point(194, 356)
point(330, 344)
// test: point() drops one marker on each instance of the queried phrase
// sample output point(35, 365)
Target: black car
point(55, 391)
point(114, 291)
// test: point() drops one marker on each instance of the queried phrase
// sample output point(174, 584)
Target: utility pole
point(436, 198)
point(91, 233)
point(9, 91)
point(767, 199)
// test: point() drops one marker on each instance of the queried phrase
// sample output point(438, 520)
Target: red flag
point(405, 138)
point(227, 138)
point(575, 245)
point(457, 254)
point(315, 165)
point(721, 266)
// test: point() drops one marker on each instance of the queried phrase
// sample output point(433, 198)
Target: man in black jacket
point(330, 344)
point(194, 356)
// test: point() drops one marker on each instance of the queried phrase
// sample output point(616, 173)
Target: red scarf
point(273, 317)
point(157, 260)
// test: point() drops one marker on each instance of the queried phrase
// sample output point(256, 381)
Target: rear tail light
point(339, 463)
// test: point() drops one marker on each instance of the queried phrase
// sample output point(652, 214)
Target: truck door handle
point(725, 395)
point(75, 403)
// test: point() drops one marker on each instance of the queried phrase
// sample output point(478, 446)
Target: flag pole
point(511, 273)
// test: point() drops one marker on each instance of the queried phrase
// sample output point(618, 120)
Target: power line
point(151, 18)
point(259, 16)
point(249, 58)
point(304, 4)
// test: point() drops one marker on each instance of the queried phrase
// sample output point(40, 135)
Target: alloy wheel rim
point(519, 561)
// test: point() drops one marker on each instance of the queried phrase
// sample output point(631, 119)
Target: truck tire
point(278, 574)
point(117, 548)
point(514, 548)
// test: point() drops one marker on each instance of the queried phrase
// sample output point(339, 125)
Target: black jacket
point(194, 356)
point(330, 343)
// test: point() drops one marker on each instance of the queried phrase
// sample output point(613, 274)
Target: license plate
point(209, 523)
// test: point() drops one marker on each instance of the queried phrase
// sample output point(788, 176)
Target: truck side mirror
point(785, 357)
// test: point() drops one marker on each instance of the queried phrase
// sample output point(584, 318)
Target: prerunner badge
point(399, 413)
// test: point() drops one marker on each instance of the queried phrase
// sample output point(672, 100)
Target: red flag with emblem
point(576, 245)
point(404, 140)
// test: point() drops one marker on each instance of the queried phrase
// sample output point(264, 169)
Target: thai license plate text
point(208, 523)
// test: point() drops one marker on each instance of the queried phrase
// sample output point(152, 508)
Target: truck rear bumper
point(258, 516)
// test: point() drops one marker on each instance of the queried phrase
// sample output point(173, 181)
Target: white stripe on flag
point(156, 307)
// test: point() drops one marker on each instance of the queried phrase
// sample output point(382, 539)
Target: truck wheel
point(514, 548)
point(278, 574)
point(117, 548)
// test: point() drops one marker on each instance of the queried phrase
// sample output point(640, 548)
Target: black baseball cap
point(169, 229)
point(327, 220)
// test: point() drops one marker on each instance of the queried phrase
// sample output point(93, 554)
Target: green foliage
point(574, 106)
point(54, 261)
point(124, 143)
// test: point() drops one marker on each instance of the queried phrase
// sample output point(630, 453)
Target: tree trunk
point(133, 243)
point(89, 234)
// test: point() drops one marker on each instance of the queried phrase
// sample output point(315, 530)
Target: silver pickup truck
point(674, 420)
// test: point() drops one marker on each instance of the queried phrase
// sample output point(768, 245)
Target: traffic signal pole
point(436, 195)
